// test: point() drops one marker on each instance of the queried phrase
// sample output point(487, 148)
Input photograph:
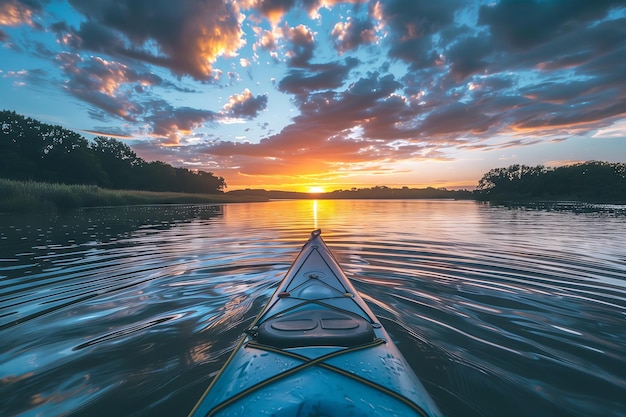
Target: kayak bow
point(316, 349)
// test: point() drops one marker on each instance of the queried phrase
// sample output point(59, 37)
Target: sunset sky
point(294, 94)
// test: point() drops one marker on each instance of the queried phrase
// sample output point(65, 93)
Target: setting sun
point(316, 190)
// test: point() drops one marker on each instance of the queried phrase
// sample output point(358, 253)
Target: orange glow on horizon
point(469, 184)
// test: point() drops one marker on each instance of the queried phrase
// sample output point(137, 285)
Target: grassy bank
point(33, 197)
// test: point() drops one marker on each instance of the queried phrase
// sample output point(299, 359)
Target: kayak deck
point(316, 349)
point(320, 327)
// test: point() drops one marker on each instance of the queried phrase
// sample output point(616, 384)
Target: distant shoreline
point(39, 197)
point(376, 193)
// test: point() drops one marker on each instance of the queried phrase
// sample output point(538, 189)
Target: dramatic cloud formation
point(294, 91)
point(186, 36)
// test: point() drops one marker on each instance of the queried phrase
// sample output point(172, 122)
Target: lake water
point(132, 311)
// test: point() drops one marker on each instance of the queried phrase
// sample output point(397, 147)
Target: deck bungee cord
point(315, 349)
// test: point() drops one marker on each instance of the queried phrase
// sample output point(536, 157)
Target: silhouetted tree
point(67, 158)
point(31, 150)
point(157, 176)
point(37, 151)
point(210, 183)
point(589, 181)
point(119, 161)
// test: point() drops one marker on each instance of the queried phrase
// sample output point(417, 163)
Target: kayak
point(316, 349)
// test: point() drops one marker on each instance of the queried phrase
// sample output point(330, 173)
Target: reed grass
point(32, 197)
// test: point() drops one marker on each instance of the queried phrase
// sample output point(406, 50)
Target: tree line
point(592, 181)
point(384, 192)
point(31, 150)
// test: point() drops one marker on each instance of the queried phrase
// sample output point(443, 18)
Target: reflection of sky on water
point(133, 310)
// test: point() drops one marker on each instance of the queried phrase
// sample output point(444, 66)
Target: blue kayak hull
point(316, 350)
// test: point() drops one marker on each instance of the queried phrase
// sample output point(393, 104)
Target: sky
point(319, 95)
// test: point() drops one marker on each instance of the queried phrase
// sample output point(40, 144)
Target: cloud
point(618, 130)
point(20, 12)
point(523, 25)
point(245, 105)
point(170, 123)
point(301, 42)
point(92, 36)
point(34, 77)
point(114, 88)
point(456, 118)
point(568, 49)
point(266, 39)
point(352, 34)
point(467, 56)
point(185, 36)
point(274, 10)
point(317, 77)
point(108, 85)
point(563, 80)
point(112, 133)
point(411, 24)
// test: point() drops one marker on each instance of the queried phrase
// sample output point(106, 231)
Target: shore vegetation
point(586, 182)
point(34, 151)
point(32, 197)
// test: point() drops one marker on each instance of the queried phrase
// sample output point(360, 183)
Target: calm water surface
point(132, 311)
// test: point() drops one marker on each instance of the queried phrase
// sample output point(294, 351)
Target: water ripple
point(132, 311)
point(504, 311)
